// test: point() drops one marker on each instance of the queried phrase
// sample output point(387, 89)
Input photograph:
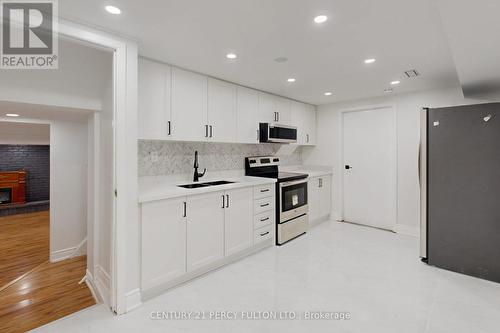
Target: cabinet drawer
point(263, 234)
point(263, 205)
point(263, 191)
point(263, 219)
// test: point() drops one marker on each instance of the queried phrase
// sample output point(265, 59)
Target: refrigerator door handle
point(422, 179)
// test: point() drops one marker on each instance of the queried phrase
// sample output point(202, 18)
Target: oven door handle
point(295, 182)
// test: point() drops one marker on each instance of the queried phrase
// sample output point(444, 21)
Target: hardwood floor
point(51, 291)
point(33, 291)
point(24, 244)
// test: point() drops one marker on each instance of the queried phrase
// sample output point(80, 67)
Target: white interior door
point(369, 169)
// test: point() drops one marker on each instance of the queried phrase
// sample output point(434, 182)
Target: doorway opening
point(62, 242)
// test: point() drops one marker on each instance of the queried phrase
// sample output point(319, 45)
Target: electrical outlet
point(153, 155)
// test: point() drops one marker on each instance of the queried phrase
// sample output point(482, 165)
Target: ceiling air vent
point(412, 73)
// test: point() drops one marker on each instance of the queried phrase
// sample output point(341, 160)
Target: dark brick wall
point(35, 160)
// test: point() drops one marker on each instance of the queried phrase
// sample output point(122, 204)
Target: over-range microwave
point(277, 133)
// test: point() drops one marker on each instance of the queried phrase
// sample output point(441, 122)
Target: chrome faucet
point(196, 174)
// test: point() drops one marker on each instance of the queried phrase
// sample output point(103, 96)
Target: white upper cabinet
point(154, 100)
point(189, 106)
point(304, 118)
point(222, 114)
point(283, 107)
point(267, 108)
point(176, 104)
point(248, 115)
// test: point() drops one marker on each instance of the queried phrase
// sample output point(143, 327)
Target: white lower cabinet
point(187, 236)
point(238, 220)
point(163, 241)
point(205, 229)
point(319, 197)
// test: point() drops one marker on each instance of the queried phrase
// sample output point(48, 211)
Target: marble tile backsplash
point(157, 158)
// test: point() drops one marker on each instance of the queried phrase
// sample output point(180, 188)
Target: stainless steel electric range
point(292, 212)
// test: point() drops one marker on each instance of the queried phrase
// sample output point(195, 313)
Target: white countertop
point(311, 170)
point(160, 188)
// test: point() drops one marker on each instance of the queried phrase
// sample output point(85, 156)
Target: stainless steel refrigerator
point(460, 189)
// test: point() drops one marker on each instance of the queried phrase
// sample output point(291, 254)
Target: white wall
point(68, 187)
point(14, 133)
point(407, 106)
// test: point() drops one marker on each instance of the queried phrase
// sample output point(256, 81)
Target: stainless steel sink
point(214, 183)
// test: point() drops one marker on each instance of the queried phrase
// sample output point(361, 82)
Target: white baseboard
point(70, 252)
point(89, 280)
point(63, 254)
point(133, 299)
point(407, 230)
point(102, 283)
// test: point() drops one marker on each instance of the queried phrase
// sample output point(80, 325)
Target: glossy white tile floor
point(375, 275)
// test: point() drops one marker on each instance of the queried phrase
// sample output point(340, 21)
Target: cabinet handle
point(211, 131)
point(264, 205)
point(227, 201)
point(206, 131)
point(264, 233)
point(264, 219)
point(263, 191)
point(275, 116)
point(169, 127)
point(185, 209)
point(223, 201)
point(307, 138)
point(278, 116)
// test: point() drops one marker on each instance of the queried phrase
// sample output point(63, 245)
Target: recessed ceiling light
point(12, 115)
point(370, 61)
point(113, 10)
point(395, 82)
point(388, 90)
point(291, 80)
point(320, 19)
point(231, 56)
point(328, 93)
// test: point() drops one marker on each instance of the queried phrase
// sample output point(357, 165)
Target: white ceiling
point(42, 113)
point(400, 34)
point(472, 28)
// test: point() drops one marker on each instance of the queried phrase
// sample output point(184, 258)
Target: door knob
point(347, 167)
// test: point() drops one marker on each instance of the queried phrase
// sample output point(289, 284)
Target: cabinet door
point(267, 108)
point(284, 111)
point(248, 116)
point(325, 196)
point(313, 198)
point(310, 124)
point(205, 229)
point(299, 120)
point(189, 105)
point(222, 111)
point(163, 235)
point(238, 220)
point(153, 100)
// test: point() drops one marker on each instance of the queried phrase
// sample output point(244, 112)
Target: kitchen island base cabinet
point(205, 229)
point(163, 239)
point(238, 220)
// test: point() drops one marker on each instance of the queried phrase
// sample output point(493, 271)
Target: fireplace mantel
point(16, 181)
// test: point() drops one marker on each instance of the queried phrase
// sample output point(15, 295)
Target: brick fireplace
point(12, 187)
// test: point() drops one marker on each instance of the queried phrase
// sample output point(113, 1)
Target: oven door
point(293, 199)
